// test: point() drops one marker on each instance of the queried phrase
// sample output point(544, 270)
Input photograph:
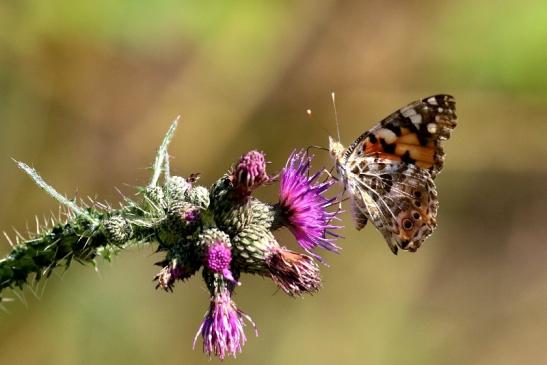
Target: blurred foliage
point(87, 90)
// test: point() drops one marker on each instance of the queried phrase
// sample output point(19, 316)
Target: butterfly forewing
point(412, 134)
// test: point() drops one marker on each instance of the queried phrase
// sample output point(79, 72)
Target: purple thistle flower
point(250, 172)
point(303, 208)
point(191, 215)
point(293, 272)
point(219, 258)
point(222, 328)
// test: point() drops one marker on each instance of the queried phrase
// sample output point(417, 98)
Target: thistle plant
point(224, 231)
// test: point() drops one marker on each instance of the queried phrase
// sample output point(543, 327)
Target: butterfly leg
point(335, 178)
point(340, 197)
point(329, 174)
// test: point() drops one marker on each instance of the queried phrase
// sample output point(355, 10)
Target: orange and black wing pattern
point(412, 134)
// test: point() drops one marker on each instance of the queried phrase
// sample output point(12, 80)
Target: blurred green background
point(87, 90)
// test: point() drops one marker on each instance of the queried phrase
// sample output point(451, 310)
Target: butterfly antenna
point(333, 97)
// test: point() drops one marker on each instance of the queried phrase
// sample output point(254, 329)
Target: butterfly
point(389, 171)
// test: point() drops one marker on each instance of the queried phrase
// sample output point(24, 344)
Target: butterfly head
point(336, 149)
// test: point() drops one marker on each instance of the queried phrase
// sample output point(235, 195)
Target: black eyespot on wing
point(407, 224)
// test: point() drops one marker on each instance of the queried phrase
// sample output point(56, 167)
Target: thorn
point(119, 192)
point(19, 235)
point(21, 297)
point(9, 240)
point(3, 307)
point(33, 291)
point(37, 224)
point(43, 288)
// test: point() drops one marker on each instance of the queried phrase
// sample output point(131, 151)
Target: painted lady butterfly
point(389, 171)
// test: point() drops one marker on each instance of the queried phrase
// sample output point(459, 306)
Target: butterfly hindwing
point(399, 199)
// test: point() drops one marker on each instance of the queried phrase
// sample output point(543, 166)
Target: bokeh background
point(87, 90)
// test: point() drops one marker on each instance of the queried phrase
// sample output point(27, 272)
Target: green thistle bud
point(231, 213)
point(117, 230)
point(176, 188)
point(251, 249)
point(199, 196)
point(211, 236)
point(181, 223)
point(235, 219)
point(156, 196)
point(262, 214)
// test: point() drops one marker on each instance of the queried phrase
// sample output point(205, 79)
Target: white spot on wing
point(416, 119)
point(388, 135)
point(432, 101)
point(411, 113)
point(407, 111)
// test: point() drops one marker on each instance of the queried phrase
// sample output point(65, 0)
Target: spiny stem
point(162, 153)
point(54, 193)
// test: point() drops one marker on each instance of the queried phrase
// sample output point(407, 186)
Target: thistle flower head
point(293, 272)
point(250, 172)
point(302, 206)
point(222, 329)
point(219, 258)
point(217, 253)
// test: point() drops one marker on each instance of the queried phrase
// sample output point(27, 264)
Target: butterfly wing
point(413, 134)
point(398, 198)
point(389, 171)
